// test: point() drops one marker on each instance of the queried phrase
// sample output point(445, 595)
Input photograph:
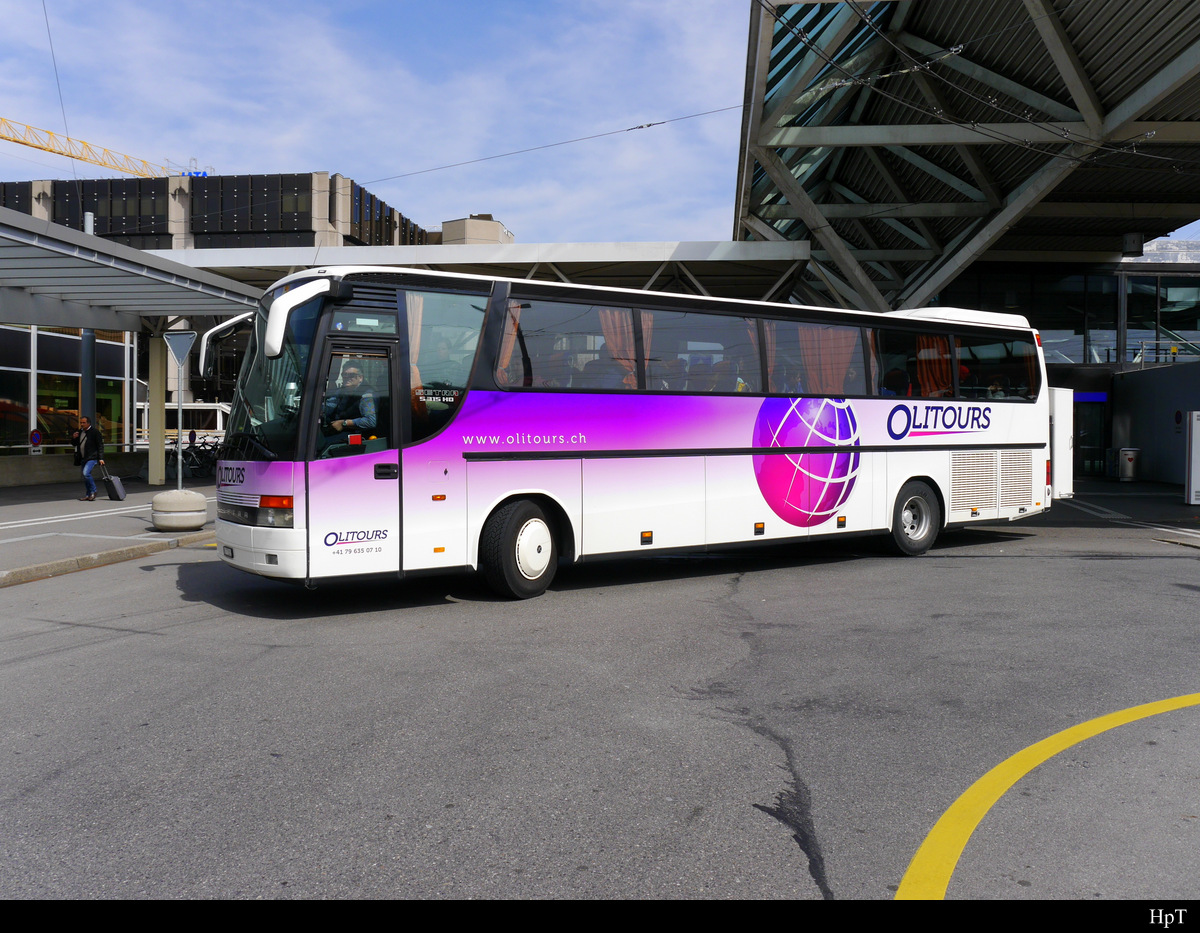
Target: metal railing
point(1164, 353)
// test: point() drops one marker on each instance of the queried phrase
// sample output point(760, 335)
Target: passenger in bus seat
point(675, 374)
point(896, 382)
point(552, 371)
point(725, 377)
point(441, 367)
point(603, 372)
point(700, 377)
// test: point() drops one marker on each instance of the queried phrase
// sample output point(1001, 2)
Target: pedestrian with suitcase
point(89, 446)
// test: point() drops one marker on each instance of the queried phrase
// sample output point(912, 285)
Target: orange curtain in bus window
point(933, 366)
point(617, 325)
point(415, 306)
point(826, 352)
point(647, 319)
point(508, 342)
point(872, 360)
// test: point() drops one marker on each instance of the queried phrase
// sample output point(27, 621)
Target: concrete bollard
point(179, 510)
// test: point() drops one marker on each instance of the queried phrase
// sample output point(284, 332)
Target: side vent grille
point(1016, 486)
point(972, 479)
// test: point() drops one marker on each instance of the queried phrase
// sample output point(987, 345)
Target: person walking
point(89, 445)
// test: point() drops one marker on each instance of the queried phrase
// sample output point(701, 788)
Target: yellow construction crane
point(77, 149)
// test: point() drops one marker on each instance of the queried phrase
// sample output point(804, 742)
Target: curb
point(55, 568)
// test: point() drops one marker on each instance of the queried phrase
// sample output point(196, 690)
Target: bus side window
point(997, 367)
point(561, 345)
point(690, 352)
point(443, 333)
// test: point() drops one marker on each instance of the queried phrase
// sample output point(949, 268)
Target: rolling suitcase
point(113, 485)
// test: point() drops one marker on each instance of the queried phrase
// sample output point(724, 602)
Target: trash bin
point(1127, 464)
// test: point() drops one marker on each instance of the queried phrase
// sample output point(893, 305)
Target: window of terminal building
point(1142, 300)
point(57, 408)
point(1179, 316)
point(14, 412)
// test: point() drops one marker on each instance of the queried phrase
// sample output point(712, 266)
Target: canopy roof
point(909, 138)
point(50, 274)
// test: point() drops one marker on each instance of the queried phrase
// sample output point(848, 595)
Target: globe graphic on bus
point(806, 489)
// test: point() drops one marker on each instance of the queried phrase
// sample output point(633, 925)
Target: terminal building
point(1026, 157)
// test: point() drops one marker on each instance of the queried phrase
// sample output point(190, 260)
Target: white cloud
point(373, 90)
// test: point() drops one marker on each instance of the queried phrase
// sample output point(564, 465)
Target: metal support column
point(156, 412)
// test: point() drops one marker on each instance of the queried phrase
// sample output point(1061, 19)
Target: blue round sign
point(35, 438)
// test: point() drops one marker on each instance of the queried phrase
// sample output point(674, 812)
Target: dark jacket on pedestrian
point(90, 444)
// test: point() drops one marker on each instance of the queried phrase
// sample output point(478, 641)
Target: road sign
point(179, 342)
point(35, 438)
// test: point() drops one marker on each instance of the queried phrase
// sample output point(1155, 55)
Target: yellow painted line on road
point(929, 872)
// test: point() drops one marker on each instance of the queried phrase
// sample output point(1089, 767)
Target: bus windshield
point(264, 421)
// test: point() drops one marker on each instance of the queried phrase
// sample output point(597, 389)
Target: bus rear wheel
point(916, 519)
point(517, 550)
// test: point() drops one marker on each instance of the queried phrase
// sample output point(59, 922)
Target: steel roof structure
point(761, 270)
point(910, 138)
point(50, 274)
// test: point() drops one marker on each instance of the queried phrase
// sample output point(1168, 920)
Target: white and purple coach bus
point(392, 422)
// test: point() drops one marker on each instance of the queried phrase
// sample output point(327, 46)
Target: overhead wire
point(350, 183)
point(868, 78)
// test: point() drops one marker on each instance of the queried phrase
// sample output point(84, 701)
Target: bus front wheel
point(517, 551)
point(916, 519)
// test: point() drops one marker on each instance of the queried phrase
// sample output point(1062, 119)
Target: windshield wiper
point(245, 441)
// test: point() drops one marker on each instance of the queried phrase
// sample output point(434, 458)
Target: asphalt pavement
point(792, 722)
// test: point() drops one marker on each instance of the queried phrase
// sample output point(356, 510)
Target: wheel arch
point(560, 523)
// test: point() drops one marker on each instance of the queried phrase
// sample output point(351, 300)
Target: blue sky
point(374, 90)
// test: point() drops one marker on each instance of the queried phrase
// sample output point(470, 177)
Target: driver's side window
point(355, 414)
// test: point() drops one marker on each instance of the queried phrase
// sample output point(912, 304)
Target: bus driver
point(350, 409)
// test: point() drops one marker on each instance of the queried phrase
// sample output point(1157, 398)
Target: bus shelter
point(53, 276)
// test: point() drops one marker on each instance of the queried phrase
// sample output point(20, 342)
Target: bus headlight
point(275, 518)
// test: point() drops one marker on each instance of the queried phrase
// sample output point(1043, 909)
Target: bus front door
point(353, 470)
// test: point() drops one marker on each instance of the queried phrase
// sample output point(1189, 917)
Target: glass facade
point(1079, 312)
point(43, 362)
point(1094, 321)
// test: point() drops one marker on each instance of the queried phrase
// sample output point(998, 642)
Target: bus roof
point(960, 315)
point(928, 315)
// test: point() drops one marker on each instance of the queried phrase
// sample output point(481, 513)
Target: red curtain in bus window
point(617, 325)
point(933, 366)
point(826, 353)
point(508, 342)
